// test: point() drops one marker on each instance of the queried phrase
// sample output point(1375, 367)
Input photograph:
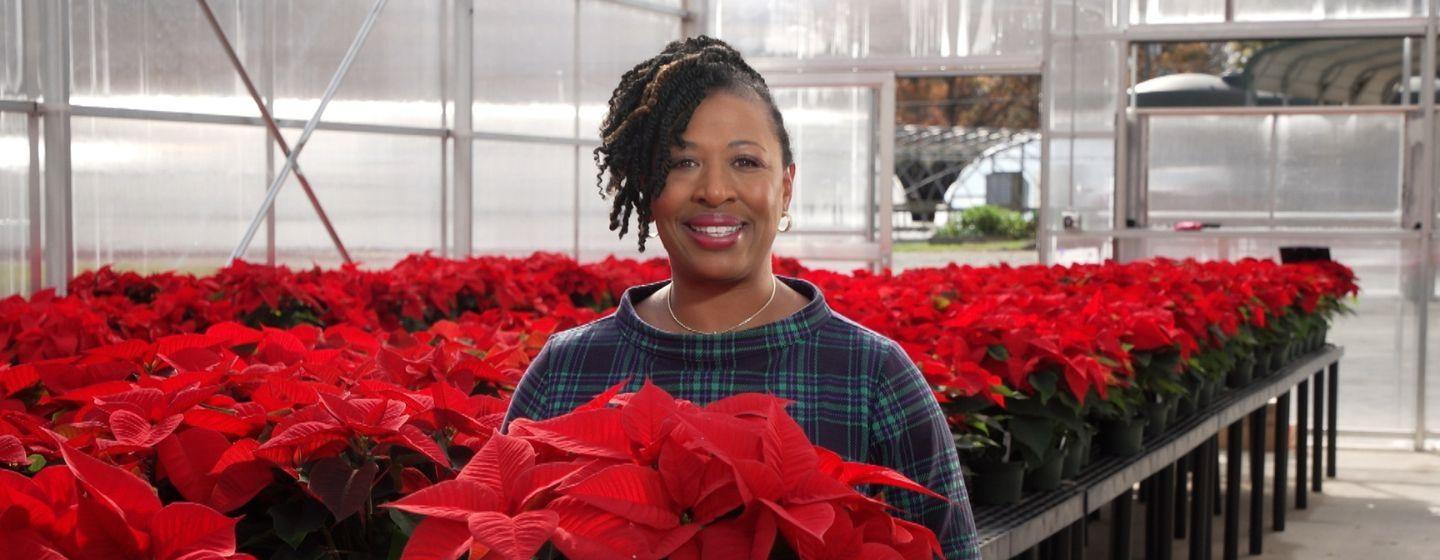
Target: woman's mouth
point(715, 232)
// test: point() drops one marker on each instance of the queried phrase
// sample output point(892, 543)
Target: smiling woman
point(695, 149)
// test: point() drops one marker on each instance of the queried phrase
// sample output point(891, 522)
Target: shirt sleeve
point(909, 434)
point(528, 400)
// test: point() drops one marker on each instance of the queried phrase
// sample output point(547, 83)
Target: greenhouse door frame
point(878, 230)
point(1129, 228)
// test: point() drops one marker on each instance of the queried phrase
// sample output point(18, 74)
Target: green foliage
point(989, 221)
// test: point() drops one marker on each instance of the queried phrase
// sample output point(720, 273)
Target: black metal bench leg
point(1182, 490)
point(1234, 446)
point(1317, 435)
point(1124, 516)
point(1257, 480)
point(1282, 460)
point(1200, 505)
point(1165, 547)
point(1302, 435)
point(1334, 410)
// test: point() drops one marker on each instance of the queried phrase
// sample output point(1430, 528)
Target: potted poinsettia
point(656, 477)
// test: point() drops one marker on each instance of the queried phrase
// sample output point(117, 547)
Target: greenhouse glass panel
point(525, 67)
point(14, 204)
point(1432, 356)
point(1278, 10)
point(1177, 11)
point(1318, 173)
point(832, 138)
point(884, 28)
point(162, 55)
point(382, 193)
point(524, 198)
point(395, 79)
point(1095, 88)
point(12, 50)
point(152, 196)
point(1210, 167)
point(1093, 181)
point(605, 55)
point(1379, 339)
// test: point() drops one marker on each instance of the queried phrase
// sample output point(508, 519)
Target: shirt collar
point(710, 347)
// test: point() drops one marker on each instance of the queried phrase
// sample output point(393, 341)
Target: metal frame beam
point(58, 218)
point(261, 104)
point(462, 144)
point(290, 161)
point(906, 66)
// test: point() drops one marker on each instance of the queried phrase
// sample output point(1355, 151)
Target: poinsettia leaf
point(594, 433)
point(342, 488)
point(584, 531)
point(814, 519)
point(747, 404)
point(630, 491)
point(645, 416)
point(295, 520)
point(499, 464)
point(188, 457)
point(12, 451)
point(186, 530)
point(101, 530)
point(513, 538)
point(603, 399)
point(455, 500)
point(437, 539)
point(128, 494)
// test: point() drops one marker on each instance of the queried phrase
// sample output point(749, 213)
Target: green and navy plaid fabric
point(855, 392)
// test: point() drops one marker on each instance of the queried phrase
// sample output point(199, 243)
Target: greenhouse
point(719, 278)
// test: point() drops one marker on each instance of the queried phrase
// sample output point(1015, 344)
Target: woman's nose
point(715, 187)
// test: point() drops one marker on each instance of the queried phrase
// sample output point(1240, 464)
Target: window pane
point(154, 196)
point(605, 55)
point(1209, 167)
point(831, 136)
point(162, 55)
point(381, 192)
point(524, 67)
point(1177, 11)
point(524, 198)
point(866, 28)
point(14, 204)
point(12, 50)
point(396, 75)
point(1318, 170)
point(1261, 10)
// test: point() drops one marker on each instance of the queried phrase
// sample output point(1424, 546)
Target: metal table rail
point(1011, 530)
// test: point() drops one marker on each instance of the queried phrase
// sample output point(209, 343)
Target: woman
point(696, 150)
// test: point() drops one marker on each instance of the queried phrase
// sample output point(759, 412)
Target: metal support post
point(271, 126)
point(310, 125)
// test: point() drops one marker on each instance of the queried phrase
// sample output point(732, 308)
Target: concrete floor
point(1384, 505)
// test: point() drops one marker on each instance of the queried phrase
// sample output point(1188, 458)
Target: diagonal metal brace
point(310, 126)
point(271, 126)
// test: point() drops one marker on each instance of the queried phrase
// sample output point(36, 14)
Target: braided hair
point(649, 111)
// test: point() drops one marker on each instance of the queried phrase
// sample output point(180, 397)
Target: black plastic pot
point(995, 484)
point(1123, 438)
point(1242, 374)
point(1077, 456)
point(1279, 357)
point(1046, 475)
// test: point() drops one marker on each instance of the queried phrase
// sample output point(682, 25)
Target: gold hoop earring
point(785, 222)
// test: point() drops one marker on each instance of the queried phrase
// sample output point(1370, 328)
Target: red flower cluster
point(656, 478)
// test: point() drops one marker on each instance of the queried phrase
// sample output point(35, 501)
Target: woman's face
point(727, 187)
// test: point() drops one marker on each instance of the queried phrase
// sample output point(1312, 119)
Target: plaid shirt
point(855, 392)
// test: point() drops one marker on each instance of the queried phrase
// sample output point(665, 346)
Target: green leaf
point(1044, 383)
point(294, 521)
point(998, 352)
point(37, 462)
point(1034, 436)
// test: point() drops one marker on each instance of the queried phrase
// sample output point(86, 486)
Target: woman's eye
point(747, 162)
point(683, 163)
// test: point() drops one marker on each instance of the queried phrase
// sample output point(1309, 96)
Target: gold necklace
point(670, 296)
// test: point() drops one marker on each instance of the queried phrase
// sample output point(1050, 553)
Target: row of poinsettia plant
point(324, 410)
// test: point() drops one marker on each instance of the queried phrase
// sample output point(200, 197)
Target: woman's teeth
point(716, 231)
